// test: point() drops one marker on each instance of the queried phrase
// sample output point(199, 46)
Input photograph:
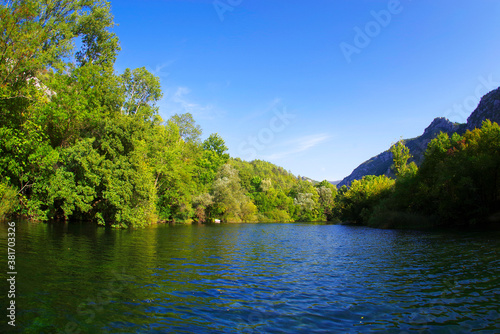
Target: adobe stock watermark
point(223, 6)
point(371, 30)
point(249, 147)
point(461, 111)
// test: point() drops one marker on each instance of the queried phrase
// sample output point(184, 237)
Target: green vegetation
point(457, 185)
point(357, 203)
point(280, 196)
point(81, 142)
point(7, 200)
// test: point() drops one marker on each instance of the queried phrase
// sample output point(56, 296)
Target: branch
point(18, 96)
point(26, 185)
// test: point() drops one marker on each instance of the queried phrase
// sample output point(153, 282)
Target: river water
point(252, 278)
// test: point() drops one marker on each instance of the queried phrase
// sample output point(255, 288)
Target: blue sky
point(317, 87)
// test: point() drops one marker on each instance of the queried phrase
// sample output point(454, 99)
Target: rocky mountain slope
point(488, 108)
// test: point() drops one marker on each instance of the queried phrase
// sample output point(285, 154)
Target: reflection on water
point(253, 278)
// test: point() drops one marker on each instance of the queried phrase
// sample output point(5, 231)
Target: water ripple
point(259, 278)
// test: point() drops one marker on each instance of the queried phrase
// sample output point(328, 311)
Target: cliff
point(488, 108)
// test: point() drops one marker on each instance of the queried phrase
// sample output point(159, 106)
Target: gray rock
point(488, 108)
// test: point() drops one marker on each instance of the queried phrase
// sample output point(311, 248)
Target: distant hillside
point(279, 177)
point(488, 108)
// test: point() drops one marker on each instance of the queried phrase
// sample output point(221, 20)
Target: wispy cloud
point(307, 142)
point(298, 145)
point(159, 70)
point(177, 100)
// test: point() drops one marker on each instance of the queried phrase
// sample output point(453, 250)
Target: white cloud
point(159, 69)
point(298, 145)
point(180, 102)
point(307, 142)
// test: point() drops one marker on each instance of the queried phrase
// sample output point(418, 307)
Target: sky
point(317, 87)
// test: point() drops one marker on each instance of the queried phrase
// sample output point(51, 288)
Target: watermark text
point(11, 273)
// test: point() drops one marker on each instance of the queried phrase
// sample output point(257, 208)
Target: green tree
point(36, 62)
point(142, 91)
point(358, 202)
point(213, 157)
point(268, 186)
point(188, 129)
point(401, 154)
point(456, 185)
point(99, 45)
point(202, 204)
point(459, 177)
point(305, 199)
point(229, 199)
point(175, 174)
point(327, 193)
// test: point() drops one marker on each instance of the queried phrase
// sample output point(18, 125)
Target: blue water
point(254, 278)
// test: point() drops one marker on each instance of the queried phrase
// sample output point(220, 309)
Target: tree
point(36, 118)
point(202, 203)
point(142, 91)
point(456, 185)
point(188, 129)
point(99, 44)
point(460, 176)
point(177, 166)
point(229, 199)
point(327, 193)
point(212, 158)
point(358, 202)
point(400, 155)
point(305, 199)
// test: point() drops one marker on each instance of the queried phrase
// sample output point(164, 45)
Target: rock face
point(378, 165)
point(488, 108)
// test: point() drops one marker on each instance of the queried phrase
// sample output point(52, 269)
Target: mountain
point(488, 108)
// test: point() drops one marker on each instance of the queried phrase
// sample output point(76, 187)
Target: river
point(252, 278)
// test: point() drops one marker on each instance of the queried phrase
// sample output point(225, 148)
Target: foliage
point(358, 202)
point(459, 179)
point(401, 154)
point(77, 140)
point(7, 200)
point(305, 199)
point(229, 199)
point(456, 185)
point(212, 158)
point(141, 91)
point(327, 193)
point(188, 129)
point(268, 186)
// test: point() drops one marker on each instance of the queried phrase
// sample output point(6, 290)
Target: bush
point(8, 200)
